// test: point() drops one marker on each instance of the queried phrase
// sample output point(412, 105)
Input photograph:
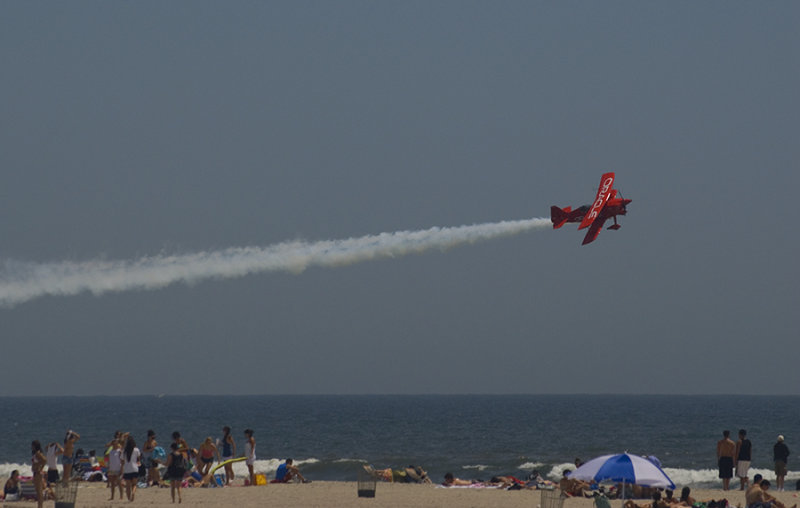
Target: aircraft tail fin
point(559, 216)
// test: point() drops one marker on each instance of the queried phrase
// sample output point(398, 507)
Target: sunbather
point(380, 474)
point(657, 503)
point(452, 481)
point(415, 474)
point(573, 486)
point(508, 482)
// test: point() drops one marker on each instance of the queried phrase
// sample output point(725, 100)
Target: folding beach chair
point(27, 490)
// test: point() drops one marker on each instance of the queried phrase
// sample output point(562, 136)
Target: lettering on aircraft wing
point(601, 197)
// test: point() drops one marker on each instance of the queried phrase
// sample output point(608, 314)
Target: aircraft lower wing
point(594, 230)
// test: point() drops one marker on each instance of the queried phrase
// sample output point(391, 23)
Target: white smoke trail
point(21, 281)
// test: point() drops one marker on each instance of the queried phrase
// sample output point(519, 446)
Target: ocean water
point(473, 436)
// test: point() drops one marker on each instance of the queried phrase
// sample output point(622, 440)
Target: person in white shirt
point(53, 451)
point(131, 460)
point(250, 454)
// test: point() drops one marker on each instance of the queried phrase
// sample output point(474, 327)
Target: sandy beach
point(344, 494)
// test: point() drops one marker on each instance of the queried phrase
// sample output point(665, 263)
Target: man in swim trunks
point(53, 451)
point(726, 451)
point(743, 455)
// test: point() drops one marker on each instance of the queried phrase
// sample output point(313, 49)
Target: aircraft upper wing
point(603, 193)
point(594, 230)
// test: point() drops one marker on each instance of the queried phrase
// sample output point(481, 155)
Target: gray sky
point(132, 129)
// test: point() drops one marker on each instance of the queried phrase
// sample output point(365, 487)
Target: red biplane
point(605, 205)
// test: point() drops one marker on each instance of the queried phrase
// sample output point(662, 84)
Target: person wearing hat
point(780, 453)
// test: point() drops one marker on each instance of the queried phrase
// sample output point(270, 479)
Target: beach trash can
point(552, 498)
point(65, 494)
point(366, 483)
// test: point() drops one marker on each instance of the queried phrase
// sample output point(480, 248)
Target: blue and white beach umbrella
point(623, 468)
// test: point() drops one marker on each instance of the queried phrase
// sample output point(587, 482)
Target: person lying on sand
point(506, 482)
point(411, 474)
point(415, 474)
point(573, 486)
point(657, 503)
point(380, 474)
point(452, 481)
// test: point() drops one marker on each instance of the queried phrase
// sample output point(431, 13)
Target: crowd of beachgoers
point(124, 466)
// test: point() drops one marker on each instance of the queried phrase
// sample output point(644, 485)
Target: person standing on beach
point(114, 468)
point(53, 451)
point(67, 457)
point(176, 469)
point(131, 459)
point(780, 454)
point(147, 454)
point(744, 451)
point(726, 452)
point(206, 453)
point(38, 461)
point(250, 454)
point(228, 452)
